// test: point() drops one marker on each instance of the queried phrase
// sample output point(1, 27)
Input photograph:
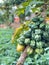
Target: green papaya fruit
point(27, 34)
point(27, 41)
point(39, 44)
point(42, 26)
point(37, 37)
point(32, 44)
point(38, 31)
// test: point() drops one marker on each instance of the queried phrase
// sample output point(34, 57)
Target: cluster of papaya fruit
point(37, 36)
point(34, 34)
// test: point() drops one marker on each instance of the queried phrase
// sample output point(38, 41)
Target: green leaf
point(27, 10)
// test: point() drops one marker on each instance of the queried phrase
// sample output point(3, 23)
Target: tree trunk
point(22, 57)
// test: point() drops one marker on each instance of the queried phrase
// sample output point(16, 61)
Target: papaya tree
point(32, 42)
point(32, 5)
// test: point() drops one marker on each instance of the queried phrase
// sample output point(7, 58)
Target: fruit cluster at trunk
point(37, 37)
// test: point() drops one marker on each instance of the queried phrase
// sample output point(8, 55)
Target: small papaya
point(38, 51)
point(20, 48)
point(29, 51)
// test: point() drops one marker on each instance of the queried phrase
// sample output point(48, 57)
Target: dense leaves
point(8, 54)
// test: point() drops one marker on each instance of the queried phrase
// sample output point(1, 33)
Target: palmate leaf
point(24, 4)
point(31, 6)
point(28, 61)
point(20, 11)
point(12, 2)
point(44, 59)
point(28, 5)
point(36, 2)
point(28, 8)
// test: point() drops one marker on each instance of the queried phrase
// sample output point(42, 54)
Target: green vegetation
point(34, 33)
point(8, 54)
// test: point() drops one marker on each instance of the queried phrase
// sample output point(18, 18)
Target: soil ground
point(12, 25)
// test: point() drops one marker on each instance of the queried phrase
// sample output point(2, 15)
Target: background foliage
point(8, 54)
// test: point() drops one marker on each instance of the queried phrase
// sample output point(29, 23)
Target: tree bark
point(22, 57)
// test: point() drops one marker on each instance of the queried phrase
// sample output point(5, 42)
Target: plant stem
point(22, 57)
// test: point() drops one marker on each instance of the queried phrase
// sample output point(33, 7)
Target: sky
point(1, 1)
